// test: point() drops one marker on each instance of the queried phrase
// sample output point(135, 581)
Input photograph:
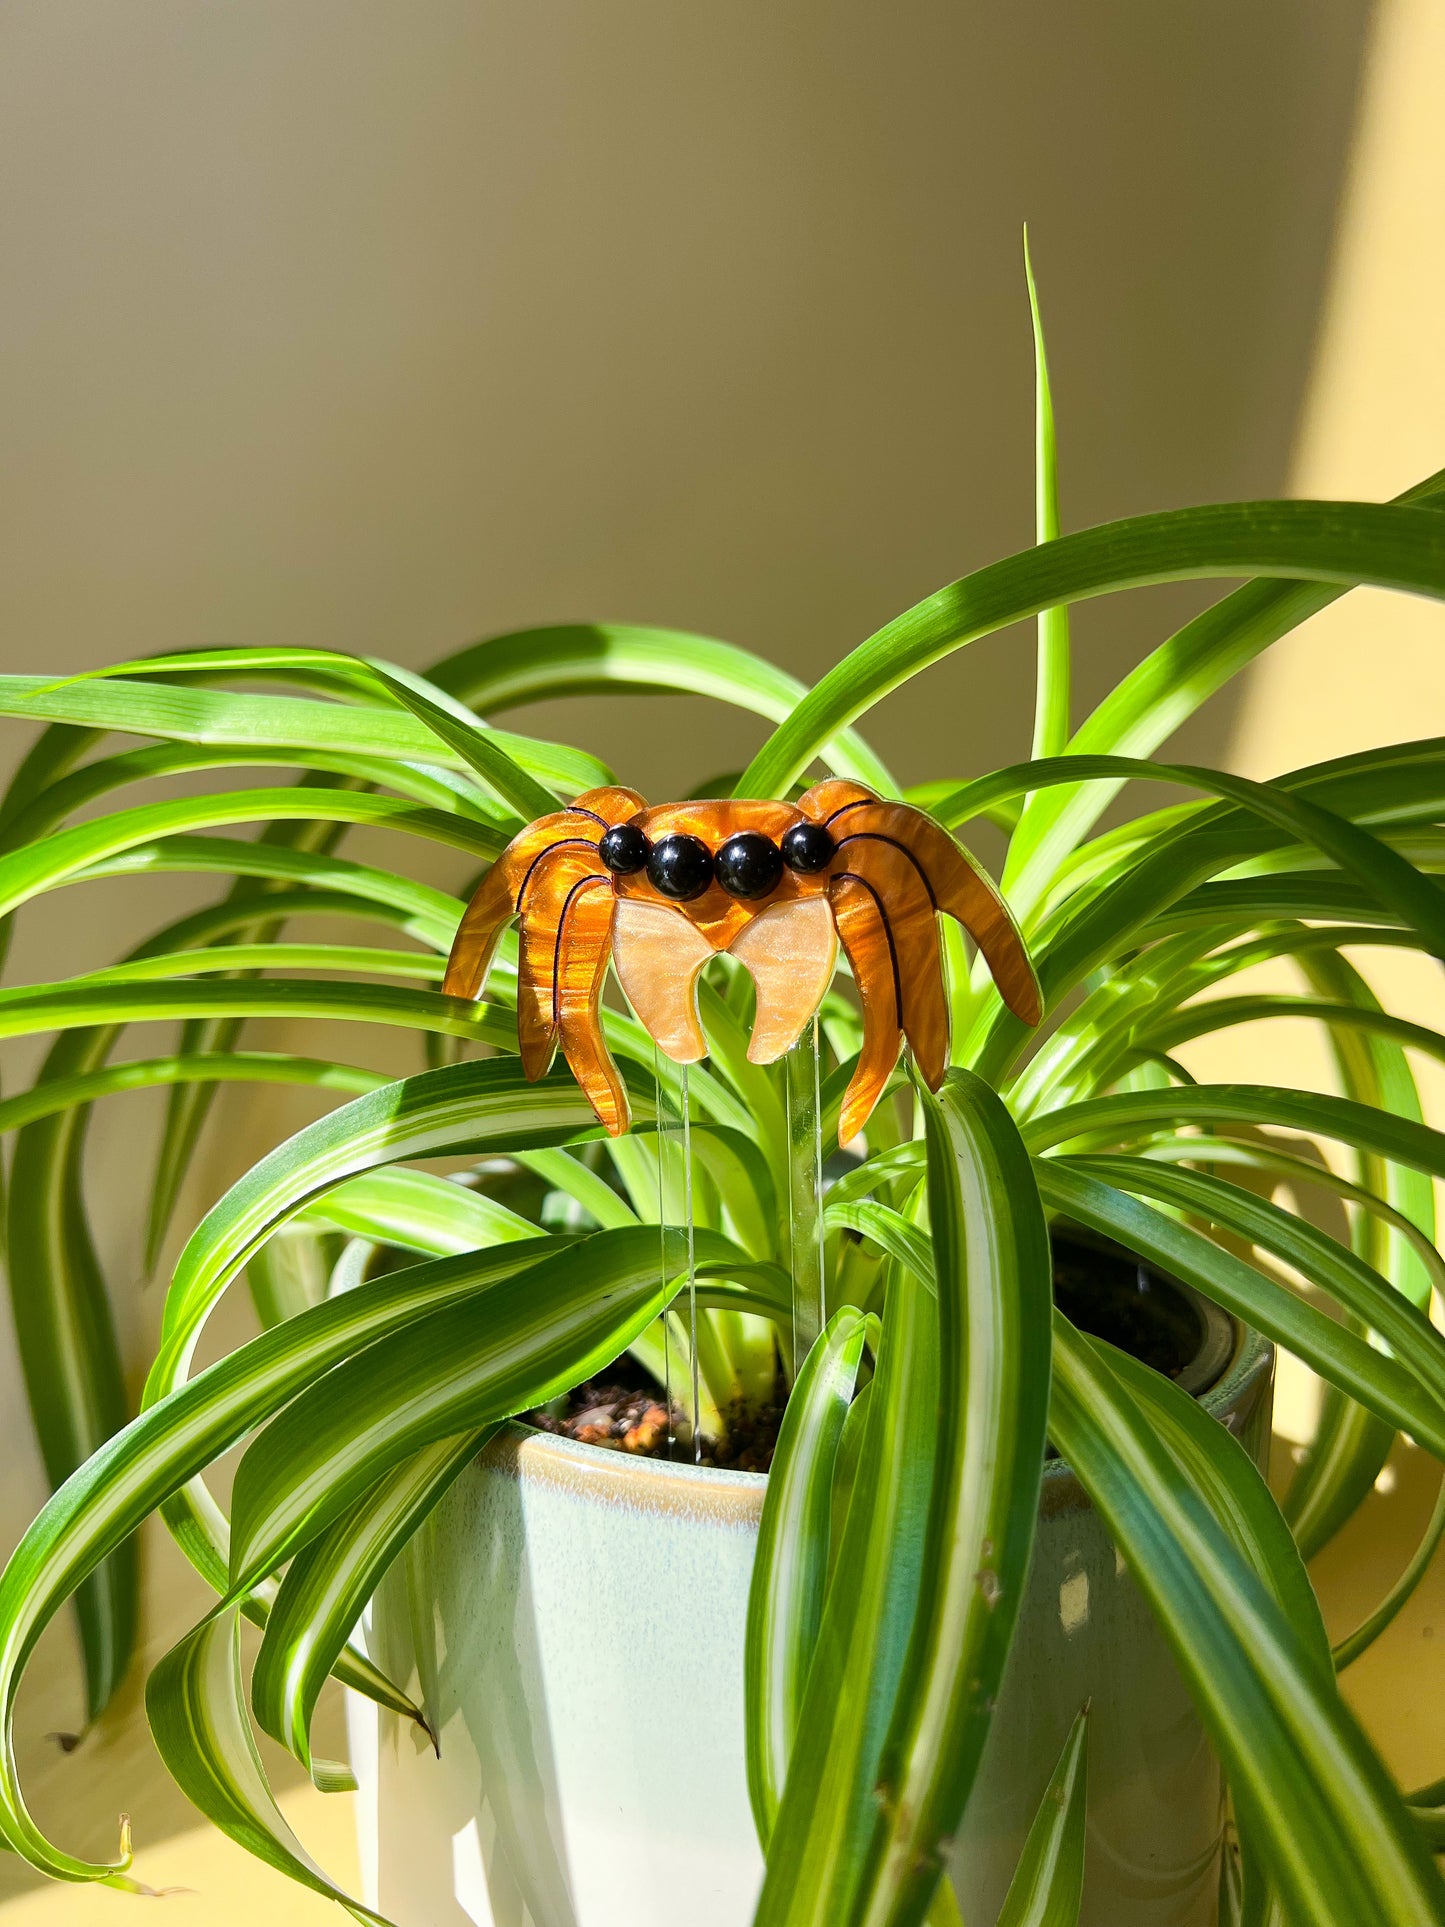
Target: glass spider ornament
point(776, 885)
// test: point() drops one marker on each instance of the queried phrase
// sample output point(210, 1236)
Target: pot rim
point(673, 1486)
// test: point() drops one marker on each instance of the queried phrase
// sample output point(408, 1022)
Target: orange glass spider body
point(776, 885)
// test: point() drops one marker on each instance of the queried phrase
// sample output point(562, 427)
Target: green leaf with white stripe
point(1051, 701)
point(1363, 1636)
point(177, 713)
point(1320, 1259)
point(825, 1818)
point(1338, 542)
point(328, 1583)
point(1339, 1844)
point(994, 1275)
point(1146, 707)
point(790, 1569)
point(1385, 1385)
point(196, 1707)
point(175, 1439)
point(462, 1368)
point(603, 658)
point(1048, 1883)
point(1224, 1475)
point(419, 1212)
point(37, 867)
point(1126, 1116)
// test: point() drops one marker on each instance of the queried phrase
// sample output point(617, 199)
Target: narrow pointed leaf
point(1381, 1383)
point(1324, 1262)
point(790, 1570)
point(462, 1368)
point(28, 871)
point(1338, 1842)
point(420, 1212)
point(329, 1582)
point(1341, 542)
point(1232, 1486)
point(1048, 1883)
point(1051, 704)
point(197, 1713)
point(1162, 692)
point(1388, 1610)
point(595, 659)
point(134, 1472)
point(995, 1279)
point(222, 717)
point(826, 1816)
point(476, 745)
point(1131, 1114)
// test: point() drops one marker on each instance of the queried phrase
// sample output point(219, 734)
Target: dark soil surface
point(616, 1416)
point(1109, 1294)
point(632, 1418)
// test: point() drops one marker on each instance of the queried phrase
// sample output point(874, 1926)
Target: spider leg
point(910, 927)
point(584, 942)
point(478, 933)
point(560, 876)
point(863, 933)
point(544, 875)
point(956, 883)
point(498, 897)
point(971, 899)
point(823, 801)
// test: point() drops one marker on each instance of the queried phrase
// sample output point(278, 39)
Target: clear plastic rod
point(681, 1371)
point(665, 1144)
point(805, 1190)
point(696, 1388)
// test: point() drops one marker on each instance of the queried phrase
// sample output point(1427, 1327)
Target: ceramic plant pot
point(573, 1620)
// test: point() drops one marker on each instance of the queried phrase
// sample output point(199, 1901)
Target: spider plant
point(871, 1669)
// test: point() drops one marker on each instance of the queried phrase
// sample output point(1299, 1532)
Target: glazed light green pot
point(573, 1621)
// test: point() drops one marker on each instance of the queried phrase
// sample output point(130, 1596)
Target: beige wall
point(1371, 669)
point(383, 326)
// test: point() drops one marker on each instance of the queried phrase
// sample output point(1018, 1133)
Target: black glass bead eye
point(680, 867)
point(624, 849)
point(808, 848)
point(749, 865)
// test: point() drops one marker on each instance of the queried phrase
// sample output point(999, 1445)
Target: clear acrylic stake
point(695, 1387)
point(668, 1151)
point(674, 1210)
point(805, 1190)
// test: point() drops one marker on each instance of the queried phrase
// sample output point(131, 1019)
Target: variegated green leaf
point(329, 1582)
point(790, 1571)
point(1338, 1841)
point(820, 1834)
point(461, 1368)
point(1386, 1385)
point(1051, 701)
point(1048, 1883)
point(178, 713)
point(994, 1277)
point(591, 659)
point(197, 1711)
point(153, 1457)
point(1338, 542)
